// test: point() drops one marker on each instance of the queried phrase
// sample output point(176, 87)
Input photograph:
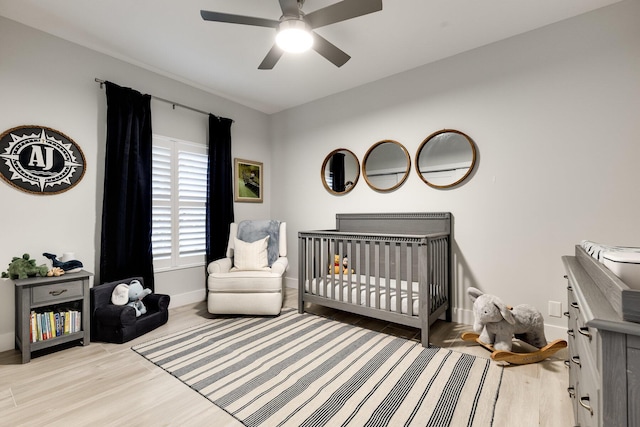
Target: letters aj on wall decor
point(40, 160)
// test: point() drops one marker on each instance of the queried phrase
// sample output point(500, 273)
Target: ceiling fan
point(294, 20)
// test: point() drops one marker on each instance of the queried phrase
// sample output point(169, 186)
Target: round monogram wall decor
point(40, 160)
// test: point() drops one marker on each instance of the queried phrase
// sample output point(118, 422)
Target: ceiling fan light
point(294, 36)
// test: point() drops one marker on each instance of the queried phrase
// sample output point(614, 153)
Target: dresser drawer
point(50, 294)
point(572, 322)
point(588, 339)
point(588, 396)
point(578, 331)
point(573, 313)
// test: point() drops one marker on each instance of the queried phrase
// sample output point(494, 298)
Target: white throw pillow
point(250, 256)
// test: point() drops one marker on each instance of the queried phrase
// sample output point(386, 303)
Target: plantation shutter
point(161, 209)
point(179, 191)
point(192, 190)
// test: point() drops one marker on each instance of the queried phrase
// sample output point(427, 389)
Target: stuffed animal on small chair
point(498, 323)
point(131, 295)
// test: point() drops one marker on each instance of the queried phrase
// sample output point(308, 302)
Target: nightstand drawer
point(49, 294)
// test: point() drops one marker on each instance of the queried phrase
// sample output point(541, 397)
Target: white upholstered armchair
point(250, 279)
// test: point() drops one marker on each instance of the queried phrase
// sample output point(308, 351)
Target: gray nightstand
point(40, 294)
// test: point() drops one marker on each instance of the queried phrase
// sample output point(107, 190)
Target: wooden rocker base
point(517, 358)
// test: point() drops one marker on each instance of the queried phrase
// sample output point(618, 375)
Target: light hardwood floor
point(108, 384)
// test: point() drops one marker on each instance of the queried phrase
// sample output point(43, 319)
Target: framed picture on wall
point(247, 181)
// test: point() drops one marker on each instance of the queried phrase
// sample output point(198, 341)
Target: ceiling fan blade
point(329, 50)
point(289, 7)
point(342, 11)
point(271, 59)
point(238, 19)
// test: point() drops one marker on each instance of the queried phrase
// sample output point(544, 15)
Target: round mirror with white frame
point(445, 158)
point(386, 165)
point(340, 171)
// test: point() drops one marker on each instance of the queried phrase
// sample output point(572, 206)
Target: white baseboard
point(461, 315)
point(7, 341)
point(291, 282)
point(187, 298)
point(553, 332)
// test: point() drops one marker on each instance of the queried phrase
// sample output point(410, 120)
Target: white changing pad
point(334, 292)
point(623, 261)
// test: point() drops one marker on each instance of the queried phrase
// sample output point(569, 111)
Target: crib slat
point(398, 278)
point(302, 259)
point(410, 296)
point(367, 266)
point(337, 289)
point(424, 291)
point(376, 273)
point(358, 269)
point(387, 268)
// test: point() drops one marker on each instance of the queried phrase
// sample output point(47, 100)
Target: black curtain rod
point(174, 104)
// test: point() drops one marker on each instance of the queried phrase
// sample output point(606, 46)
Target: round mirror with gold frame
point(340, 171)
point(445, 158)
point(386, 165)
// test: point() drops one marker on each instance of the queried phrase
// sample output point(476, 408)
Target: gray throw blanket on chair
point(251, 231)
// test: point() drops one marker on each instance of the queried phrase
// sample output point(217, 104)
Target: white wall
point(49, 82)
point(555, 116)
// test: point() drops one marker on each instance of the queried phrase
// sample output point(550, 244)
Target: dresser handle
point(571, 333)
point(584, 405)
point(565, 276)
point(572, 392)
point(576, 360)
point(566, 362)
point(575, 305)
point(585, 332)
point(56, 293)
point(569, 288)
point(566, 313)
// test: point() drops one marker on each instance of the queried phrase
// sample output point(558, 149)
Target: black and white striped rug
point(306, 370)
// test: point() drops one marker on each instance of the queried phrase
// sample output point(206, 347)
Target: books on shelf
point(45, 325)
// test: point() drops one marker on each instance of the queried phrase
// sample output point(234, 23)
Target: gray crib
point(399, 267)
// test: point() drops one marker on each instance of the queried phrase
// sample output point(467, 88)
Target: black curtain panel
point(126, 210)
point(220, 188)
point(337, 172)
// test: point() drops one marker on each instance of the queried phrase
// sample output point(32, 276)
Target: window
point(179, 181)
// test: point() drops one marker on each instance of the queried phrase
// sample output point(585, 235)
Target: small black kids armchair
point(118, 323)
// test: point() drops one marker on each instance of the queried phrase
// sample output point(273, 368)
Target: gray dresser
point(604, 350)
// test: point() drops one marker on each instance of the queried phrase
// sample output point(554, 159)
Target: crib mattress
point(623, 261)
point(322, 286)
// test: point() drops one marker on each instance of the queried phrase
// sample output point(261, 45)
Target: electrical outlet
point(555, 309)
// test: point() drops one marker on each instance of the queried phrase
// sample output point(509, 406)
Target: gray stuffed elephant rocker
point(497, 323)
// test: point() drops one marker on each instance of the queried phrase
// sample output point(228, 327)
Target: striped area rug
point(307, 370)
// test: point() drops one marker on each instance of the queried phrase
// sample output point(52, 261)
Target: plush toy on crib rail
point(497, 324)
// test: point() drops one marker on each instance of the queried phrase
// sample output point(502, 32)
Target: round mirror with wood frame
point(340, 171)
point(445, 158)
point(386, 165)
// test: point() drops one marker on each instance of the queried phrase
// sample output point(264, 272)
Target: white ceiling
point(170, 37)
